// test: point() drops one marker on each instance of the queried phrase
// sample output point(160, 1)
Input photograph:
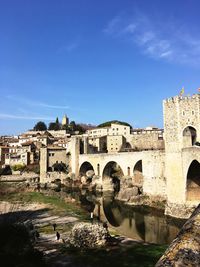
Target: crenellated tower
point(181, 122)
point(181, 132)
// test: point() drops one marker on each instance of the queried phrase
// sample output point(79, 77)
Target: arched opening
point(112, 211)
point(137, 173)
point(98, 169)
point(86, 170)
point(111, 176)
point(128, 171)
point(189, 136)
point(81, 148)
point(193, 181)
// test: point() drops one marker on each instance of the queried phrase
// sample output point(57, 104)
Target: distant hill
point(108, 123)
point(87, 126)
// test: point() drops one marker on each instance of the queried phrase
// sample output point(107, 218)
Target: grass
point(58, 206)
point(139, 255)
point(136, 255)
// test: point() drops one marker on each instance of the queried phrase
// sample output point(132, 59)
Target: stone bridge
point(174, 176)
point(150, 164)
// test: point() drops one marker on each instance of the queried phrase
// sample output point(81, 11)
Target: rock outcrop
point(185, 249)
point(87, 235)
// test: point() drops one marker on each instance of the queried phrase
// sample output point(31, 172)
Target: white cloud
point(67, 48)
point(155, 39)
point(112, 25)
point(35, 103)
point(21, 117)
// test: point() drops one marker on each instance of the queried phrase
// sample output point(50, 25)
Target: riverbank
point(43, 211)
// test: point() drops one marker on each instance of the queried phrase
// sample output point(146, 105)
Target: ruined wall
point(144, 140)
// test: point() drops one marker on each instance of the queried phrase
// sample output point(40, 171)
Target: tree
point(79, 128)
point(57, 121)
point(60, 167)
point(53, 126)
point(72, 125)
point(40, 126)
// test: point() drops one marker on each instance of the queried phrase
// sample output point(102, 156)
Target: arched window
point(193, 181)
point(189, 136)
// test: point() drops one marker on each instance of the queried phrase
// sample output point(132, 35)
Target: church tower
point(65, 120)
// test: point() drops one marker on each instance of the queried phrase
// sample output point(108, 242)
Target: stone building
point(48, 157)
point(3, 151)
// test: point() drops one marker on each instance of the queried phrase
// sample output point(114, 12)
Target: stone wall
point(184, 250)
point(146, 140)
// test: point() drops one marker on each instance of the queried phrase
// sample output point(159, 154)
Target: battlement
point(178, 98)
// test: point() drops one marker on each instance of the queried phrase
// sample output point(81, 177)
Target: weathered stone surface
point(126, 182)
point(88, 235)
point(127, 193)
point(179, 210)
point(185, 249)
point(90, 174)
point(83, 180)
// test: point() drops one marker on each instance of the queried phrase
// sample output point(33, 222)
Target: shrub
point(18, 167)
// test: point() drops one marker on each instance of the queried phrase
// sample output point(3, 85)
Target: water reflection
point(135, 222)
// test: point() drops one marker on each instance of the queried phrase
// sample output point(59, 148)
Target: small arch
point(128, 171)
point(193, 181)
point(137, 173)
point(86, 166)
point(189, 136)
point(98, 169)
point(111, 176)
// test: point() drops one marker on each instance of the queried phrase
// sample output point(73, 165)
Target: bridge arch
point(193, 181)
point(138, 173)
point(189, 136)
point(85, 166)
point(111, 176)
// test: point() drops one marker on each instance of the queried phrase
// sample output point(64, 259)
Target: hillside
point(108, 123)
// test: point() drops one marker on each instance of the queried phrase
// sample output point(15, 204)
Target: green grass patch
point(138, 255)
point(56, 204)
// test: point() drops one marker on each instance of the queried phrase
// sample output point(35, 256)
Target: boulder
point(128, 193)
point(90, 174)
point(87, 235)
point(83, 180)
point(184, 249)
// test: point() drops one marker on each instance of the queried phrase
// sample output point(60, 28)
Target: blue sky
point(95, 60)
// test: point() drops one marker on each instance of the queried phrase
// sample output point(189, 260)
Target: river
point(139, 222)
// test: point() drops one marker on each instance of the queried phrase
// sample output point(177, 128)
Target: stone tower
point(181, 122)
point(65, 120)
point(181, 132)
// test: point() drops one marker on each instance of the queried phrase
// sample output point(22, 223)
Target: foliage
point(60, 167)
point(18, 167)
point(197, 143)
point(16, 246)
point(6, 171)
point(53, 126)
point(108, 123)
point(40, 126)
point(135, 255)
